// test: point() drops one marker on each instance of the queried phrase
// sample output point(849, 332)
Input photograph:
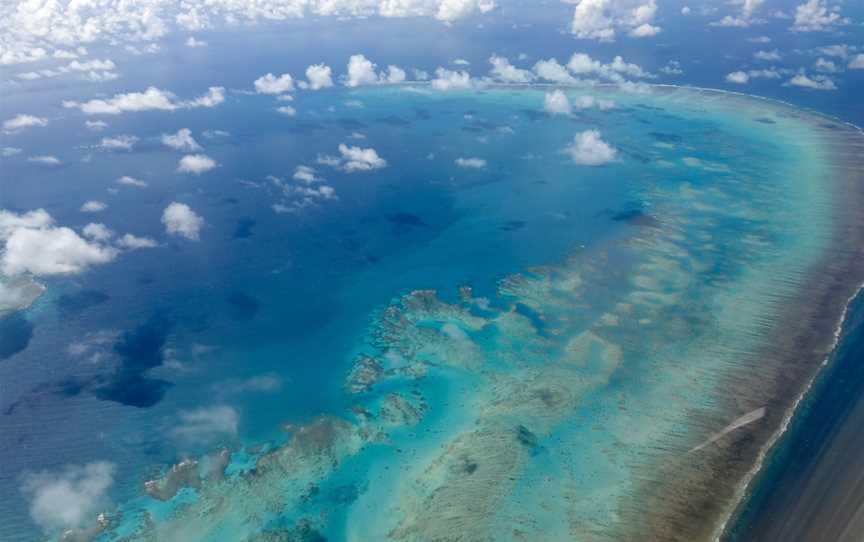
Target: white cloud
point(816, 82)
point(359, 159)
point(34, 244)
point(96, 125)
point(126, 180)
point(196, 163)
point(814, 15)
point(451, 10)
point(97, 232)
point(471, 163)
point(587, 102)
point(602, 19)
point(132, 242)
point(551, 70)
point(556, 103)
point(69, 498)
point(451, 80)
point(181, 141)
point(825, 66)
point(271, 84)
point(118, 143)
point(589, 149)
point(738, 77)
point(616, 71)
point(22, 121)
point(151, 99)
point(286, 110)
point(319, 76)
point(745, 19)
point(770, 56)
point(306, 174)
point(46, 159)
point(10, 151)
point(502, 70)
point(205, 425)
point(361, 71)
point(180, 219)
point(857, 62)
point(192, 42)
point(93, 206)
point(395, 75)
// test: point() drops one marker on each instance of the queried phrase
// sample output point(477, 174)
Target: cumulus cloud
point(557, 103)
point(359, 159)
point(118, 143)
point(394, 75)
point(451, 80)
point(737, 77)
point(361, 71)
point(745, 19)
point(10, 151)
point(180, 219)
point(816, 82)
point(203, 426)
point(196, 164)
point(502, 70)
point(587, 102)
point(126, 180)
point(857, 62)
point(192, 42)
point(97, 232)
point(34, 244)
point(770, 56)
point(133, 242)
point(471, 163)
point(68, 498)
point(603, 19)
point(286, 110)
point(589, 149)
point(181, 141)
point(814, 15)
point(19, 122)
point(93, 206)
point(319, 76)
point(615, 71)
point(552, 70)
point(271, 84)
point(151, 99)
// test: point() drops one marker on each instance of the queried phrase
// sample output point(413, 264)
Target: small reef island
point(629, 390)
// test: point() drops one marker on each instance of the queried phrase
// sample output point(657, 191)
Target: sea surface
point(531, 349)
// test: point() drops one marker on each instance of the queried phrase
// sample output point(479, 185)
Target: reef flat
point(628, 392)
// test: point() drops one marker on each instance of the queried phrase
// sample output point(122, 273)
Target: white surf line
point(746, 419)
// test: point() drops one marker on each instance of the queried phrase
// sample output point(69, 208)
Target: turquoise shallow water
point(534, 349)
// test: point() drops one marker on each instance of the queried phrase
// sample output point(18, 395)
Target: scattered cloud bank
point(92, 70)
point(196, 164)
point(603, 20)
point(180, 219)
point(502, 70)
point(181, 141)
point(815, 15)
point(39, 31)
point(588, 149)
point(68, 498)
point(151, 99)
point(451, 80)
